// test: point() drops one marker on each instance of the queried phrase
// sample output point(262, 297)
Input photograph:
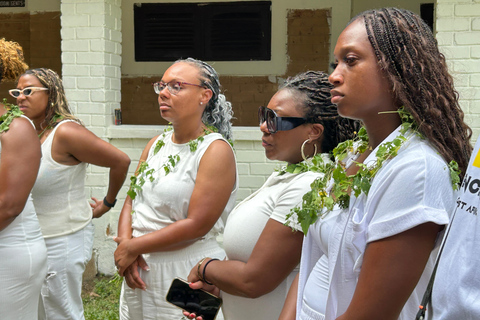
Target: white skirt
point(164, 267)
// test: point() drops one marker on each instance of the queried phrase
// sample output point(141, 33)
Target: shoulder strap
point(427, 296)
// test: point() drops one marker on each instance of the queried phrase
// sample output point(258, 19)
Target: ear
point(316, 131)
point(206, 96)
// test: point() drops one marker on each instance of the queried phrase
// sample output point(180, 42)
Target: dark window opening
point(427, 11)
point(218, 31)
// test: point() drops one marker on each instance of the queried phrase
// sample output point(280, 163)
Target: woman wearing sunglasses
point(262, 252)
point(22, 248)
point(190, 179)
point(58, 195)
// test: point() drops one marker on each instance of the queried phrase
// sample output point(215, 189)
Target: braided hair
point(408, 55)
point(57, 101)
point(313, 89)
point(11, 60)
point(218, 111)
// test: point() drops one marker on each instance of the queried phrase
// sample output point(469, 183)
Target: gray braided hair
point(218, 112)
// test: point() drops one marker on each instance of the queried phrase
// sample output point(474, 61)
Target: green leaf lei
point(145, 172)
point(325, 195)
point(6, 119)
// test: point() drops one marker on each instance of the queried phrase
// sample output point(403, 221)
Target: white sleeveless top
point(59, 194)
point(25, 226)
point(166, 199)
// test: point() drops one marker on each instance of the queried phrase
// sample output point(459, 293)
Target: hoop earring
point(302, 149)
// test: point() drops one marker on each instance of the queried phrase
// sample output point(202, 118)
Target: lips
point(336, 96)
point(164, 106)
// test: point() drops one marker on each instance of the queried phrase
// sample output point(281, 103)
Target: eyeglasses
point(276, 123)
point(173, 87)
point(26, 91)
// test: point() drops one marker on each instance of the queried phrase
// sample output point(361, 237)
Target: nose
point(21, 97)
point(335, 77)
point(263, 127)
point(164, 92)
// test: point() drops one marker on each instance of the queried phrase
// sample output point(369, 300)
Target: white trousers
point(67, 257)
point(164, 267)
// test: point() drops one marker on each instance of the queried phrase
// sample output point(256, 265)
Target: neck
point(183, 133)
point(381, 128)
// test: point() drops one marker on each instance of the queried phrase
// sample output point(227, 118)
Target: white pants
point(62, 288)
point(164, 267)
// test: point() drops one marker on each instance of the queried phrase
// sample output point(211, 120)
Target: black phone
point(197, 301)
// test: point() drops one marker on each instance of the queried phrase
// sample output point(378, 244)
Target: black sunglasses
point(276, 123)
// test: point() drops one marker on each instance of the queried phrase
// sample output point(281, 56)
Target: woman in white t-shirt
point(390, 75)
point(262, 252)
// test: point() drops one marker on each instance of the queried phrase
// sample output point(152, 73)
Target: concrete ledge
point(128, 131)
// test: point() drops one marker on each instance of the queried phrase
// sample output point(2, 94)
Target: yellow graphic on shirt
point(476, 162)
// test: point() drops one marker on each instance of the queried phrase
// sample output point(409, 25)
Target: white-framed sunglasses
point(26, 91)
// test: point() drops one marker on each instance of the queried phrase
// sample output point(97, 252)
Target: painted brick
point(75, 46)
point(122, 143)
point(456, 52)
point(242, 145)
point(251, 181)
point(91, 33)
point(68, 34)
point(91, 8)
point(93, 179)
point(98, 120)
point(69, 58)
point(78, 95)
point(476, 24)
point(263, 168)
point(98, 131)
point(467, 38)
point(91, 83)
point(242, 193)
point(91, 58)
point(91, 108)
point(69, 83)
point(250, 156)
point(73, 20)
point(466, 66)
point(444, 38)
point(467, 10)
point(453, 24)
point(75, 70)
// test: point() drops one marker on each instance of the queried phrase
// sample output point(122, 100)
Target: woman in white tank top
point(58, 195)
point(22, 248)
point(177, 213)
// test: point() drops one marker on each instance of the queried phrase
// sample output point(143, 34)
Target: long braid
point(408, 54)
point(314, 89)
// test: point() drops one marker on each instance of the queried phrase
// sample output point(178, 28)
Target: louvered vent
point(232, 31)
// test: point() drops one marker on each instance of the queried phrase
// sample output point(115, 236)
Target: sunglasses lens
point(15, 93)
point(27, 92)
point(271, 120)
point(261, 115)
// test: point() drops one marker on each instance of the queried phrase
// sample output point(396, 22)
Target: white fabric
point(411, 189)
point(61, 291)
point(159, 204)
point(273, 200)
point(456, 290)
point(59, 194)
point(166, 199)
point(23, 266)
point(164, 267)
point(313, 282)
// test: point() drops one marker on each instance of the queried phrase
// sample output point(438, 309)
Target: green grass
point(101, 298)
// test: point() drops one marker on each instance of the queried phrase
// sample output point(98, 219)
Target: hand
point(132, 276)
point(123, 255)
point(98, 208)
point(191, 315)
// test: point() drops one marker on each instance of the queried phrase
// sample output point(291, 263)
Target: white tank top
point(59, 194)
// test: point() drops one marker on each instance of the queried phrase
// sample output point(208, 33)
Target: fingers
point(142, 264)
point(196, 285)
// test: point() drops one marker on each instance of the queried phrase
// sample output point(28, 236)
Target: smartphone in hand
point(197, 301)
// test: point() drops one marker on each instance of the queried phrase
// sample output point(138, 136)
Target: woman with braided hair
point(262, 252)
point(173, 219)
point(59, 197)
point(22, 248)
point(389, 74)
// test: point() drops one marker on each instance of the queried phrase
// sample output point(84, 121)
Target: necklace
point(145, 172)
point(335, 186)
point(6, 119)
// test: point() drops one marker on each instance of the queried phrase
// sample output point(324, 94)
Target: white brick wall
point(91, 57)
point(458, 34)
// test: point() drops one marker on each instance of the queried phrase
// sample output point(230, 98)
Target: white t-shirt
point(273, 200)
point(411, 189)
point(456, 290)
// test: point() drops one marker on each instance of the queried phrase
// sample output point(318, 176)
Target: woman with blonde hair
point(22, 248)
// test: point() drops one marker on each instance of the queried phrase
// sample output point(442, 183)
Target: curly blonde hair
point(12, 64)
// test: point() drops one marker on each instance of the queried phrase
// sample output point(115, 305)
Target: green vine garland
point(6, 119)
point(324, 196)
point(145, 172)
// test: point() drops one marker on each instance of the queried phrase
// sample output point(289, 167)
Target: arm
point(275, 255)
point(20, 160)
point(390, 271)
point(74, 143)
point(212, 190)
point(290, 307)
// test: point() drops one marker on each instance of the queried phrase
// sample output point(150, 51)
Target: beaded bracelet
point(199, 274)
point(204, 268)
